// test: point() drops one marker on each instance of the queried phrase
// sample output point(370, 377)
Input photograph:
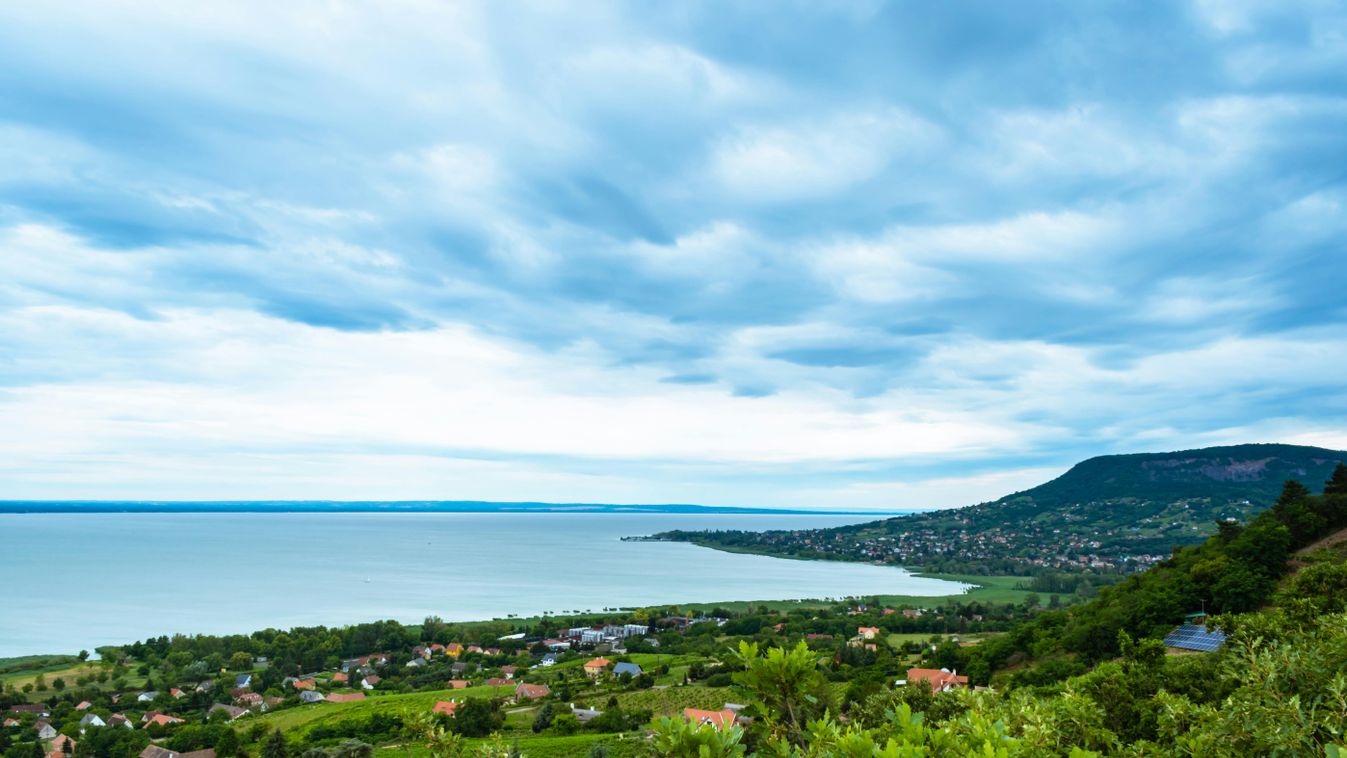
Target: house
point(340, 678)
point(12, 722)
point(416, 663)
point(595, 668)
point(723, 719)
point(84, 705)
point(911, 613)
point(447, 707)
point(309, 696)
point(548, 660)
point(454, 649)
point(474, 649)
point(345, 697)
point(530, 691)
point(813, 637)
point(45, 731)
point(627, 668)
point(39, 709)
point(205, 686)
point(459, 667)
point(118, 719)
point(497, 681)
point(232, 712)
point(177, 693)
point(868, 632)
point(162, 719)
point(556, 644)
point(58, 744)
point(369, 682)
point(304, 684)
point(250, 700)
point(509, 671)
point(91, 719)
point(243, 680)
point(584, 714)
point(941, 680)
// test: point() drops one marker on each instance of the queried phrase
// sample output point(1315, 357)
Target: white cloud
point(810, 159)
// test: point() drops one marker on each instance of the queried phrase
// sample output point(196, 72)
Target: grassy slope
point(413, 702)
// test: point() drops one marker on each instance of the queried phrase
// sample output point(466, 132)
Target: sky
point(851, 255)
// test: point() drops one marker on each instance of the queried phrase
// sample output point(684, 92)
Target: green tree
point(240, 661)
point(275, 746)
point(787, 684)
point(227, 744)
point(675, 738)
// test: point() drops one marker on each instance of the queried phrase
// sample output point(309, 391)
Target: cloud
point(803, 254)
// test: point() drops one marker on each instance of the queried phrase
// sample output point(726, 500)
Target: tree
point(1337, 483)
point(675, 738)
point(84, 655)
point(275, 746)
point(789, 686)
point(477, 717)
point(227, 745)
point(438, 741)
point(240, 661)
point(544, 718)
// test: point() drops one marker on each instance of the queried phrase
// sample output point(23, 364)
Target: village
point(575, 683)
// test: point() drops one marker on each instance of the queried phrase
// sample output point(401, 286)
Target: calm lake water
point(78, 581)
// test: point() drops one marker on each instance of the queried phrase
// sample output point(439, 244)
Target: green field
point(307, 716)
point(546, 746)
point(986, 589)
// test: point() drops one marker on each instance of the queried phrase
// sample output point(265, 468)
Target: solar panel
point(1193, 637)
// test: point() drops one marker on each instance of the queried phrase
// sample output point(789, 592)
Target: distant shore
point(396, 506)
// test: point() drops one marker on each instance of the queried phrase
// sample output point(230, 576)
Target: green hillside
point(1111, 514)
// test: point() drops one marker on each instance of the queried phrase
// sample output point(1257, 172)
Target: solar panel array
point(1194, 637)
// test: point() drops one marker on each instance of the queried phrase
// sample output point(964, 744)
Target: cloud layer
point(853, 255)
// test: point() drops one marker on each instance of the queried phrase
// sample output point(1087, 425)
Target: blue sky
point(853, 255)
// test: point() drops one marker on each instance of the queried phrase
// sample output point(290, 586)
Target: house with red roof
point(596, 668)
point(340, 678)
point(369, 682)
point(345, 697)
point(939, 680)
point(162, 719)
point(458, 684)
point(867, 632)
point(84, 705)
point(447, 707)
point(723, 719)
point(497, 681)
point(304, 684)
point(527, 691)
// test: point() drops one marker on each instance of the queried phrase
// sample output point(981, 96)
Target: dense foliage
point(1107, 515)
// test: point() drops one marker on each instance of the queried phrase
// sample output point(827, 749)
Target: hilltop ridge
point(1108, 514)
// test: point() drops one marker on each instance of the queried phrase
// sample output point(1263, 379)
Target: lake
point(76, 581)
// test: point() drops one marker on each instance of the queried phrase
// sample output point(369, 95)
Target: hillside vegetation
point(1107, 515)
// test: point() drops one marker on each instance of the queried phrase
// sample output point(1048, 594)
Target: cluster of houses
point(61, 745)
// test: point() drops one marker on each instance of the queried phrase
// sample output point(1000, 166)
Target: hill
point(1110, 514)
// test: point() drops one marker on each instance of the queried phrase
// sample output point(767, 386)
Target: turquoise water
point(73, 581)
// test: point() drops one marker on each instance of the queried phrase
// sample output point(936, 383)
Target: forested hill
point(1235, 472)
point(1107, 514)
